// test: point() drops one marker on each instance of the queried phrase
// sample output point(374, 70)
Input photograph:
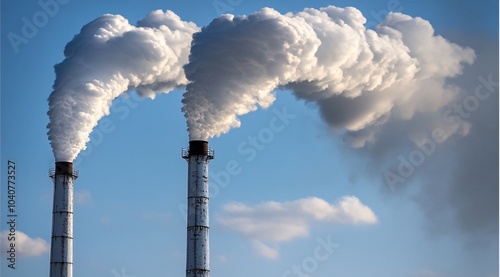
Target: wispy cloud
point(24, 245)
point(221, 259)
point(284, 221)
point(83, 197)
point(105, 220)
point(265, 250)
point(156, 216)
point(427, 273)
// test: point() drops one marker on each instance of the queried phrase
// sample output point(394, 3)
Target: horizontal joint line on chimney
point(197, 270)
point(198, 226)
point(66, 237)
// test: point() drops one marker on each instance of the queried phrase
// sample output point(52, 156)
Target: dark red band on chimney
point(198, 147)
point(64, 168)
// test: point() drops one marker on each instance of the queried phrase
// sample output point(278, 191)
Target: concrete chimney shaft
point(198, 255)
point(61, 251)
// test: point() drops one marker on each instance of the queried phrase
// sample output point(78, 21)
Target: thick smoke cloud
point(106, 59)
point(459, 184)
point(386, 90)
point(359, 78)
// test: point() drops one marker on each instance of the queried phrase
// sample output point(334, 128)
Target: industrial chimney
point(61, 251)
point(198, 256)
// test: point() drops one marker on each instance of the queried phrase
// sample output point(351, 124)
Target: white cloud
point(24, 245)
point(221, 259)
point(284, 221)
point(83, 197)
point(265, 250)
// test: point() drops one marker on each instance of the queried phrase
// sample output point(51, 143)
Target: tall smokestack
point(61, 251)
point(198, 257)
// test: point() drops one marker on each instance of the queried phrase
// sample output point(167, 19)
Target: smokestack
point(198, 257)
point(61, 251)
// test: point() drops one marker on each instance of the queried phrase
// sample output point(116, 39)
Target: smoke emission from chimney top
point(108, 58)
point(326, 56)
point(376, 86)
point(359, 78)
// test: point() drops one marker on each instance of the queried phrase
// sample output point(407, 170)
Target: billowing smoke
point(388, 91)
point(110, 57)
point(359, 78)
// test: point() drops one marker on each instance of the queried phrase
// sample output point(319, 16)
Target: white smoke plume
point(386, 91)
point(110, 57)
point(359, 78)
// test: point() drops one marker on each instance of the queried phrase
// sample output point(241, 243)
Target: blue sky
point(132, 186)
